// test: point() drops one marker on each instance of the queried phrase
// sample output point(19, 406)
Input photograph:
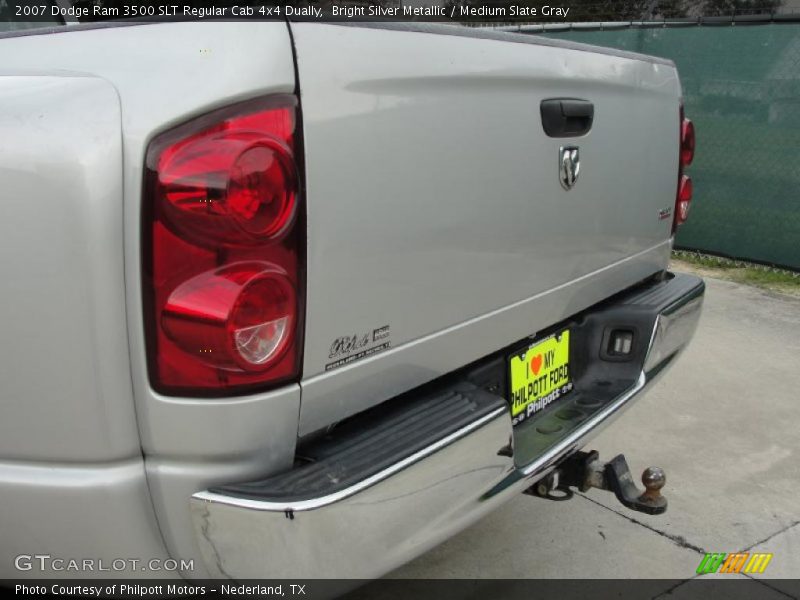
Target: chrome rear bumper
point(396, 514)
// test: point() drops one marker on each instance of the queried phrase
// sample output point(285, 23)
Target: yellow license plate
point(539, 376)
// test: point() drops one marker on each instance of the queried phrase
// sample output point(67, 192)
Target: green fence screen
point(741, 88)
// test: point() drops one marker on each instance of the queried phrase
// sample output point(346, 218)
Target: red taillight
point(687, 142)
point(683, 198)
point(222, 272)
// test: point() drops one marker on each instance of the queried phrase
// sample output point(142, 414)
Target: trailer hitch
point(585, 470)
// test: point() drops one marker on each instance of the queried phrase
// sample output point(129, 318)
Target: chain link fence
point(741, 87)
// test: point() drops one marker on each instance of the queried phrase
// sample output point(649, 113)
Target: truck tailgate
point(434, 199)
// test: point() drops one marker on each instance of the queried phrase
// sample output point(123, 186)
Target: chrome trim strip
point(315, 503)
point(673, 327)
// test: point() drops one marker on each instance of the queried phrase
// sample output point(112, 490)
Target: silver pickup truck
point(305, 299)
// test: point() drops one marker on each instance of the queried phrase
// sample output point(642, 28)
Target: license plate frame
point(536, 378)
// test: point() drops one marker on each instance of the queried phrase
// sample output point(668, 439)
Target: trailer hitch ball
point(653, 479)
point(618, 479)
point(585, 470)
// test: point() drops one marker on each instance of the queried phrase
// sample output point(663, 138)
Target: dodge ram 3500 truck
point(305, 299)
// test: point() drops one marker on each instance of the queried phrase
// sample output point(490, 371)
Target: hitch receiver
point(584, 470)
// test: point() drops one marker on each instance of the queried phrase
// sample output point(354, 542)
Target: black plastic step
point(659, 296)
point(369, 443)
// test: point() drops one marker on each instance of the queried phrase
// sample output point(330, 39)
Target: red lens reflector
point(261, 190)
point(685, 190)
point(237, 317)
point(687, 142)
point(686, 147)
point(221, 268)
point(235, 186)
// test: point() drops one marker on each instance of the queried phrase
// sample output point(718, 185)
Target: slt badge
point(569, 166)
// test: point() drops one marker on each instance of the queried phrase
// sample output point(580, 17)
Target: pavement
point(723, 424)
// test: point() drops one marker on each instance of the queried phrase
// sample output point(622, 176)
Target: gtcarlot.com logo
point(46, 562)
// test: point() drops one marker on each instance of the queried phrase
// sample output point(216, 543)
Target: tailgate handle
point(566, 117)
